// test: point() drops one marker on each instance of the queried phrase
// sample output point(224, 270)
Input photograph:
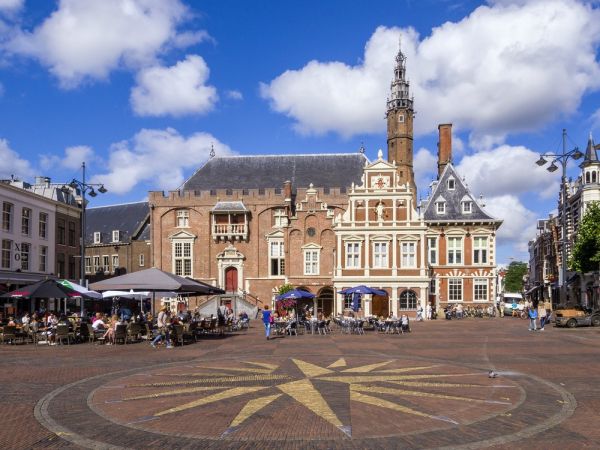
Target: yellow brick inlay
point(232, 379)
point(393, 391)
point(369, 400)
point(405, 369)
point(311, 370)
point(265, 365)
point(426, 384)
point(234, 392)
point(252, 407)
point(175, 392)
point(367, 368)
point(339, 363)
point(373, 378)
point(238, 369)
point(305, 393)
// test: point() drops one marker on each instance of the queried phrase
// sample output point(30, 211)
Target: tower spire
point(399, 97)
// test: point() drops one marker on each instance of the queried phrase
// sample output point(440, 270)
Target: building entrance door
point(381, 306)
point(231, 279)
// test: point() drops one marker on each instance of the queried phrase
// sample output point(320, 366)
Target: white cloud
point(507, 67)
point(157, 156)
point(506, 170)
point(12, 164)
point(177, 90)
point(519, 222)
point(71, 159)
point(86, 40)
point(234, 95)
point(10, 6)
point(425, 168)
point(595, 119)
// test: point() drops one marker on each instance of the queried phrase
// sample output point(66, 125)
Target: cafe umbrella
point(293, 296)
point(358, 291)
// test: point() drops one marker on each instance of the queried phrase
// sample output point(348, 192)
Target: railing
point(229, 229)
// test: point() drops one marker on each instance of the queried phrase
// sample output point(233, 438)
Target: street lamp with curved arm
point(84, 188)
point(561, 158)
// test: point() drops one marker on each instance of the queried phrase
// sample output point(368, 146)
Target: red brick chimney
point(287, 190)
point(444, 147)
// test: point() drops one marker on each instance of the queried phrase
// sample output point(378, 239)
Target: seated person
point(99, 324)
point(109, 335)
point(11, 322)
point(404, 321)
point(25, 319)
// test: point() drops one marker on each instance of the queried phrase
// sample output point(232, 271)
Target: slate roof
point(591, 155)
point(230, 207)
point(453, 199)
point(256, 172)
point(129, 218)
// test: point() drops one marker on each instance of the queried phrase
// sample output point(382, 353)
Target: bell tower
point(400, 115)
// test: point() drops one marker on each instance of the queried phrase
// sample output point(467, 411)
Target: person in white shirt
point(99, 325)
point(25, 319)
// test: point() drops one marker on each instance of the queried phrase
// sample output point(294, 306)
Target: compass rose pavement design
point(305, 398)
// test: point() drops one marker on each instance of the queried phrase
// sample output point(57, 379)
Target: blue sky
point(140, 89)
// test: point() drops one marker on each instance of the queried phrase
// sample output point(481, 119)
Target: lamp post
point(562, 158)
point(83, 188)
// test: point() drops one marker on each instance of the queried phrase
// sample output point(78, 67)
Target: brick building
point(250, 224)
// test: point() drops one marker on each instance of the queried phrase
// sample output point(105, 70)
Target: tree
point(586, 251)
point(513, 281)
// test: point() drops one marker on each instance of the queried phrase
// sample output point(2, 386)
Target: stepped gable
point(264, 172)
point(130, 219)
point(453, 199)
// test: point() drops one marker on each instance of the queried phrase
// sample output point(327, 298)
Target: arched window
point(587, 177)
point(593, 177)
point(408, 300)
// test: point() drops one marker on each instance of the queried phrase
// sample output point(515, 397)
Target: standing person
point(420, 314)
point(267, 318)
point(162, 323)
point(459, 311)
point(542, 315)
point(532, 319)
point(501, 306)
point(428, 311)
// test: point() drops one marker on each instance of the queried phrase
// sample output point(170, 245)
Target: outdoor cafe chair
point(133, 332)
point(9, 333)
point(177, 335)
point(62, 333)
point(121, 333)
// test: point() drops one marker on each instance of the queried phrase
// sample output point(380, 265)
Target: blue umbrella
point(362, 289)
point(356, 301)
point(294, 295)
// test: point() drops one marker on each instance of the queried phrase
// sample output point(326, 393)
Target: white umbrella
point(81, 289)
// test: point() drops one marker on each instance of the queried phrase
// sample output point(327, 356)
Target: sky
point(141, 89)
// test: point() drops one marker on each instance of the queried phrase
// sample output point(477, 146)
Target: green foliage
point(285, 288)
point(586, 251)
point(513, 280)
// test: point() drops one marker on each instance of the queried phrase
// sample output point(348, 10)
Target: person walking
point(532, 318)
point(428, 311)
point(501, 306)
point(267, 319)
point(542, 315)
point(420, 314)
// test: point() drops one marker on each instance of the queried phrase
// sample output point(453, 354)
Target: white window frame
point(432, 251)
point(408, 254)
point(182, 217)
point(456, 251)
point(141, 260)
point(381, 255)
point(480, 283)
point(353, 252)
point(88, 264)
point(43, 263)
point(451, 184)
point(97, 237)
point(26, 215)
point(408, 299)
point(480, 252)
point(105, 263)
point(276, 248)
point(43, 225)
point(25, 256)
point(311, 261)
point(7, 254)
point(182, 257)
point(457, 283)
point(279, 218)
point(467, 207)
point(116, 236)
point(115, 262)
point(8, 211)
point(97, 266)
point(440, 207)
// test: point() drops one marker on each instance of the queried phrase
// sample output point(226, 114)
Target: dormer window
point(279, 218)
point(441, 207)
point(467, 207)
point(451, 184)
point(116, 236)
point(97, 237)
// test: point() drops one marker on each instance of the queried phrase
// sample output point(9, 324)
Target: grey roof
point(255, 172)
point(229, 207)
point(453, 199)
point(591, 155)
point(130, 219)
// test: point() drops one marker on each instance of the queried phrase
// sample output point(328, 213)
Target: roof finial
point(212, 150)
point(361, 150)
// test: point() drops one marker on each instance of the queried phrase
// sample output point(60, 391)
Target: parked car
point(576, 316)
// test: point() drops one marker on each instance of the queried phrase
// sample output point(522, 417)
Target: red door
point(231, 279)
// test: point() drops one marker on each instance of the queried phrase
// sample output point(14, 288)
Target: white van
point(510, 298)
